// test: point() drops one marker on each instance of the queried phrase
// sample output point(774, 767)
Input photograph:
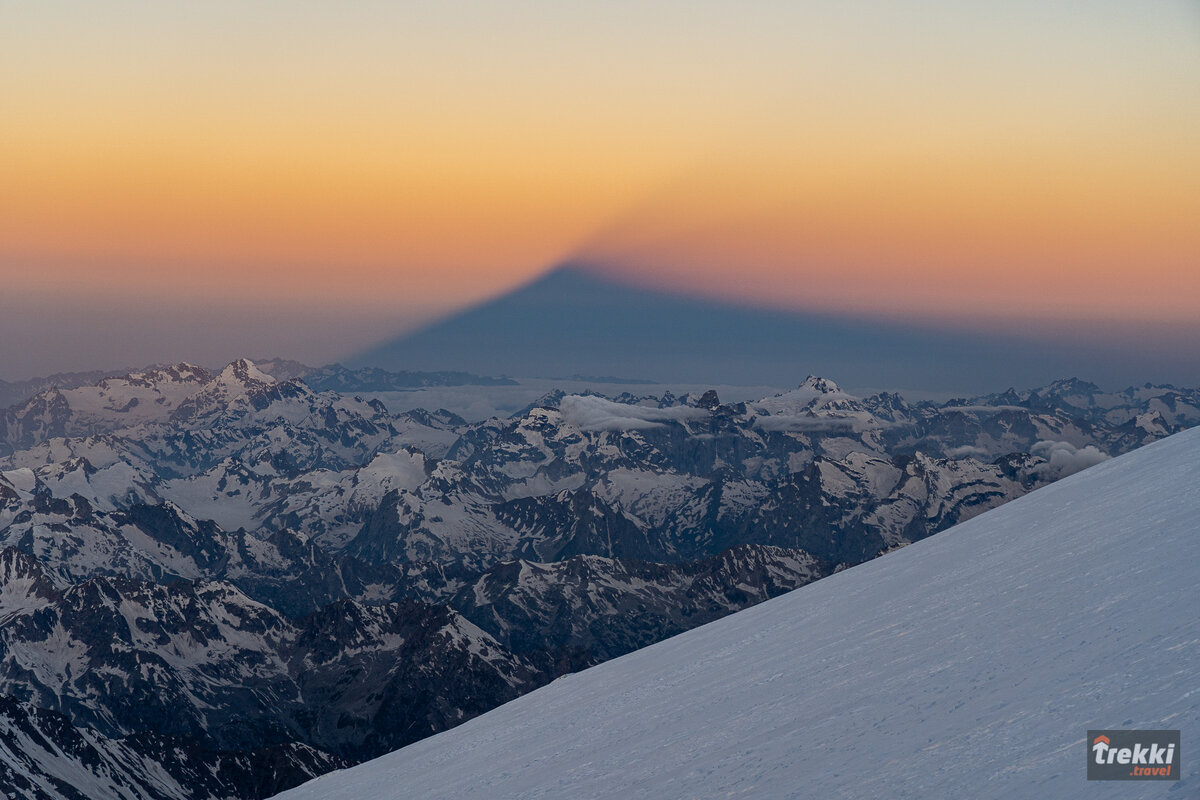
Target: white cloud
point(591, 413)
point(967, 451)
point(1063, 458)
point(801, 423)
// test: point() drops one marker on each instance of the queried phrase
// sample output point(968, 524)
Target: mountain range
point(229, 572)
point(330, 377)
point(971, 664)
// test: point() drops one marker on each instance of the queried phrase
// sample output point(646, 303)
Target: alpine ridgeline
point(971, 664)
point(219, 583)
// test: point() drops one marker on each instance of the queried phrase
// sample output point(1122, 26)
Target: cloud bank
point(590, 413)
point(1063, 458)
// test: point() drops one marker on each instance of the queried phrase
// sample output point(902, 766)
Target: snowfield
point(970, 664)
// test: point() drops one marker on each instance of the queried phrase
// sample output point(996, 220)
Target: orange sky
point(992, 233)
point(945, 160)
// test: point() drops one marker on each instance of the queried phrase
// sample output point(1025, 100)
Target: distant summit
point(574, 320)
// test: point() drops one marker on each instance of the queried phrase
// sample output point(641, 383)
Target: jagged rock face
point(813, 469)
point(184, 420)
point(47, 757)
point(111, 404)
point(161, 543)
point(374, 678)
point(239, 575)
point(16, 392)
point(577, 523)
point(204, 662)
point(605, 607)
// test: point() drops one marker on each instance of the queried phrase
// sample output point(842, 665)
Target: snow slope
point(970, 664)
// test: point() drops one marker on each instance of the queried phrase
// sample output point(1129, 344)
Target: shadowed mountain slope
point(971, 664)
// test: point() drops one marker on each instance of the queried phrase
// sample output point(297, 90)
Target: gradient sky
point(200, 181)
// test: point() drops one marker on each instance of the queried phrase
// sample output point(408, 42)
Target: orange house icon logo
point(1102, 738)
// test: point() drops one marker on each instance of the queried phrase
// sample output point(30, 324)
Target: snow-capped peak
point(244, 374)
point(182, 372)
point(821, 390)
point(819, 384)
point(235, 381)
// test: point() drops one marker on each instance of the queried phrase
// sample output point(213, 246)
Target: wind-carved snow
point(970, 664)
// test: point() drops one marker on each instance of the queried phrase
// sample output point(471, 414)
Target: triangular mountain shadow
point(575, 321)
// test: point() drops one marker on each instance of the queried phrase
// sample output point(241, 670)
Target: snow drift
point(969, 664)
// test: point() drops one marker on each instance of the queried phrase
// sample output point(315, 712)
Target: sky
point(204, 181)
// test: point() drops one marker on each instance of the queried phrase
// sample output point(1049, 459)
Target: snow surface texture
point(970, 664)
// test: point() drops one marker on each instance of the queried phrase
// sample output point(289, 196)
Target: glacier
point(971, 663)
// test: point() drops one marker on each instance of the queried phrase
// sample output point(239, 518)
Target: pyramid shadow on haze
point(574, 321)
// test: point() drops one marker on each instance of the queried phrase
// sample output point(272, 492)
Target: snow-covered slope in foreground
point(970, 664)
